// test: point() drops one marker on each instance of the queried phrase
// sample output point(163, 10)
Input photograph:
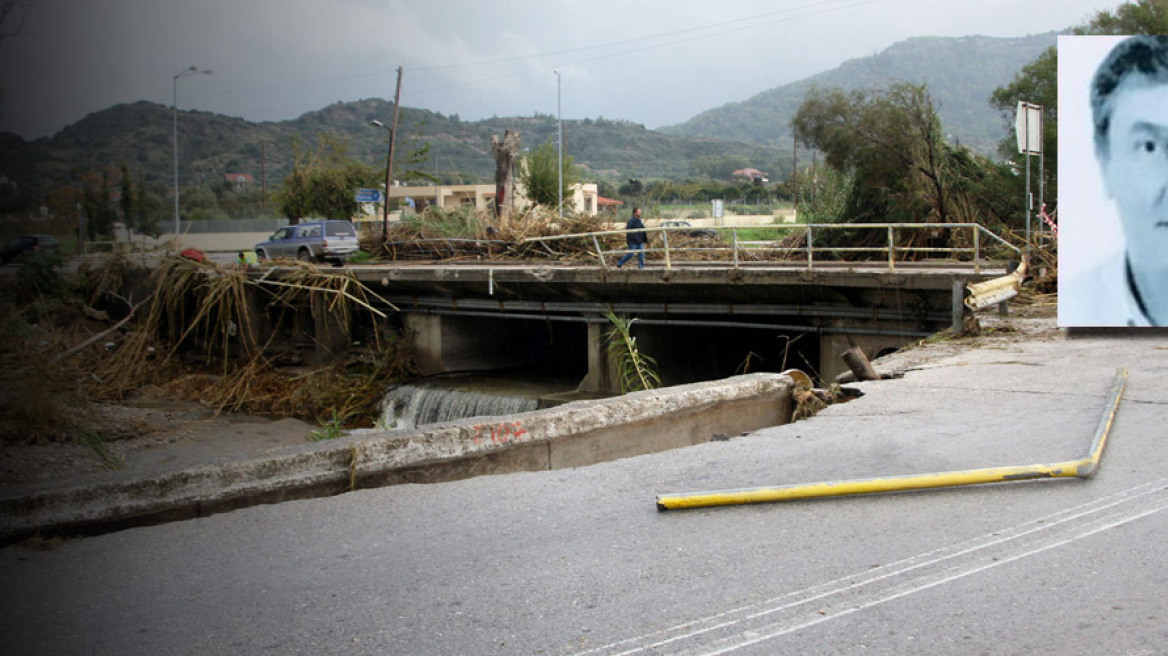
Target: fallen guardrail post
point(1082, 468)
point(998, 290)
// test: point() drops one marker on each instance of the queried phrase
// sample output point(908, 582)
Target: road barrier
point(1082, 468)
point(805, 252)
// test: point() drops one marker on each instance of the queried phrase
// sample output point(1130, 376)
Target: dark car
point(695, 232)
point(26, 244)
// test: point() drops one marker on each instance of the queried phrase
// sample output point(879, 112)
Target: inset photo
point(1113, 181)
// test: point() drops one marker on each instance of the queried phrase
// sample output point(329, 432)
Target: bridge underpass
point(698, 321)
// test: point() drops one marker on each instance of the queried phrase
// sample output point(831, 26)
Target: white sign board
point(1028, 128)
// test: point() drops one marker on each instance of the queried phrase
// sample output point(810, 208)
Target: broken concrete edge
point(573, 434)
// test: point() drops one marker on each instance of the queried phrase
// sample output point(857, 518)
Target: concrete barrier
point(571, 435)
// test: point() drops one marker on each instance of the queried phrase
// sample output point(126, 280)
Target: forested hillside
point(139, 135)
point(961, 73)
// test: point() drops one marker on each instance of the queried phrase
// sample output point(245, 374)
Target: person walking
point(635, 239)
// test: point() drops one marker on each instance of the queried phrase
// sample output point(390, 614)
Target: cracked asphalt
point(579, 561)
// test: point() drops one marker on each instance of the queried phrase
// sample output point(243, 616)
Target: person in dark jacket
point(635, 240)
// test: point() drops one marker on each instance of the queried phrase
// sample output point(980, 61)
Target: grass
point(329, 430)
point(107, 459)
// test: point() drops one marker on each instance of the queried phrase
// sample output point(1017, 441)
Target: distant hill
point(139, 135)
point(960, 72)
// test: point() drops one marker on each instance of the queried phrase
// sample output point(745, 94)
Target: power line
point(665, 39)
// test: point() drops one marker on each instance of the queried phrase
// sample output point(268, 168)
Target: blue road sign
point(369, 196)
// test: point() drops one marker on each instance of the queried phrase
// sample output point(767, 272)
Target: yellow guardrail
point(1081, 468)
point(736, 247)
point(997, 290)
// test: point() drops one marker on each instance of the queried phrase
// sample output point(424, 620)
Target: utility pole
point(795, 174)
point(389, 164)
point(560, 142)
point(190, 70)
point(264, 178)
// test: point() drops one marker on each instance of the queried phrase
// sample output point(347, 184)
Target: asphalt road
point(580, 561)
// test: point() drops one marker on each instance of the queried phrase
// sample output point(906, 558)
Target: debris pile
point(188, 328)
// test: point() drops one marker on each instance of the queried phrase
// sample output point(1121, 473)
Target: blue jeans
point(634, 249)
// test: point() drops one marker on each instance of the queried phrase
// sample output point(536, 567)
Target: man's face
point(1135, 168)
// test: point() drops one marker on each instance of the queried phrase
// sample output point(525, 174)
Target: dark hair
point(1145, 56)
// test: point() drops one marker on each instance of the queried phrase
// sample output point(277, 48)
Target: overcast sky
point(648, 61)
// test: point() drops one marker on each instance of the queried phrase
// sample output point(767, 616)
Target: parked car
point(696, 232)
point(26, 244)
point(312, 241)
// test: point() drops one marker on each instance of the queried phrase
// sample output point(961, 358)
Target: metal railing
point(736, 247)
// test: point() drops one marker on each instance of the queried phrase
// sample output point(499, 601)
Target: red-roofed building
point(608, 205)
point(750, 174)
point(239, 180)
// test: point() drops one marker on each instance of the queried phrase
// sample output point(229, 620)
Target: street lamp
point(187, 71)
point(388, 170)
point(560, 144)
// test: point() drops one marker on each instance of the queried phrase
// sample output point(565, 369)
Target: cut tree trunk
point(859, 364)
point(505, 150)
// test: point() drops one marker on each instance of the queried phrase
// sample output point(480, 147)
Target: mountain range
point(961, 73)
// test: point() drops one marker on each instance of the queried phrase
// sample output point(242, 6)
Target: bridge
point(699, 320)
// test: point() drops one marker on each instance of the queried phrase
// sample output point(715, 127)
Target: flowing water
point(431, 402)
point(410, 406)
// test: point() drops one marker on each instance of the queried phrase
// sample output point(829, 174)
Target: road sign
point(369, 196)
point(1028, 128)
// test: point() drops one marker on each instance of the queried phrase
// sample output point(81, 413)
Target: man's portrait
point(1113, 181)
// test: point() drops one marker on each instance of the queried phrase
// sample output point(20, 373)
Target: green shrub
point(40, 275)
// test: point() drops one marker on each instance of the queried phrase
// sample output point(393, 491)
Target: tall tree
point(540, 175)
point(146, 207)
point(1140, 17)
point(127, 199)
point(324, 183)
point(99, 206)
point(891, 139)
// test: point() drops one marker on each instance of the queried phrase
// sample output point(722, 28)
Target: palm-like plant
point(635, 370)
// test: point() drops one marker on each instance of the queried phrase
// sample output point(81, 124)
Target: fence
point(737, 248)
point(268, 225)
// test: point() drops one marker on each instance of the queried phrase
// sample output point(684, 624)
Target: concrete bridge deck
point(839, 304)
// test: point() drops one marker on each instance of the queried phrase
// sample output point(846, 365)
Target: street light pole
point(560, 144)
point(192, 70)
point(388, 173)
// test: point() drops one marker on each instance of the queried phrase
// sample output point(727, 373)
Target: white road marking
point(749, 625)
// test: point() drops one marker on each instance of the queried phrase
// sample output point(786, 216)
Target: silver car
point(312, 241)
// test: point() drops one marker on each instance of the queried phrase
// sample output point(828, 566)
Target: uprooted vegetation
point(535, 233)
point(188, 329)
point(538, 234)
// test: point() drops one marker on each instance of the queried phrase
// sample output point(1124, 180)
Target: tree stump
point(505, 150)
